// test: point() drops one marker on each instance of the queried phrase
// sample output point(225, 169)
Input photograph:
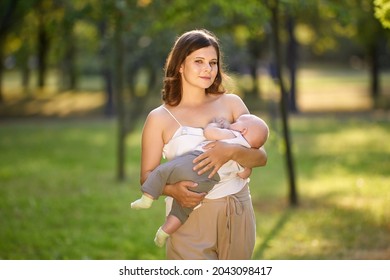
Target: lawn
point(60, 200)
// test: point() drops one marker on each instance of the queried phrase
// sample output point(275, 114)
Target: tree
point(145, 20)
point(369, 34)
point(47, 14)
point(351, 21)
point(382, 12)
point(133, 51)
point(274, 7)
point(292, 59)
point(12, 13)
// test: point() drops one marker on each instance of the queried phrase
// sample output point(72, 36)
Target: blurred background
point(77, 79)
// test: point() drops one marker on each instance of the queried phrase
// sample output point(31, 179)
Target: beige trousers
point(221, 229)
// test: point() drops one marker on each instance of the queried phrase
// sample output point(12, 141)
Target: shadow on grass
point(54, 105)
point(272, 234)
point(322, 227)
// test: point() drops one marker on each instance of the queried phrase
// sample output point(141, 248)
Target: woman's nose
point(207, 67)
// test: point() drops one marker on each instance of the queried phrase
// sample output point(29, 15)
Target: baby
point(249, 131)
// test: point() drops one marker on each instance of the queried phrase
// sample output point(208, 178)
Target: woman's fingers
point(188, 197)
point(203, 165)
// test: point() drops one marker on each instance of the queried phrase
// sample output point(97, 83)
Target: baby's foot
point(161, 237)
point(142, 203)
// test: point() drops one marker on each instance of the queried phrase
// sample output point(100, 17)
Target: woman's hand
point(216, 154)
point(181, 191)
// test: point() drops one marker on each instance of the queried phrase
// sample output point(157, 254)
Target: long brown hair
point(183, 47)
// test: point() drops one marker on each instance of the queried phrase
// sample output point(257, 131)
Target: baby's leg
point(171, 225)
point(179, 215)
point(144, 202)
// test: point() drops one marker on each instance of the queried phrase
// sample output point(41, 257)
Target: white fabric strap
point(172, 115)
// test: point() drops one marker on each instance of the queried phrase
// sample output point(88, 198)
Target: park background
point(77, 79)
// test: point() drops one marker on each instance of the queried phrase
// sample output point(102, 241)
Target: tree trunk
point(25, 68)
point(69, 69)
point(254, 47)
point(43, 46)
point(1, 74)
point(6, 21)
point(255, 87)
point(374, 73)
point(293, 197)
point(292, 62)
point(106, 70)
point(119, 96)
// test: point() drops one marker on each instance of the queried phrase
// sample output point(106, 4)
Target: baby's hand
point(222, 122)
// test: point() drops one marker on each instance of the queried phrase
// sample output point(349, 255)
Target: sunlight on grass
point(343, 182)
point(50, 101)
point(59, 105)
point(60, 198)
point(326, 89)
point(66, 104)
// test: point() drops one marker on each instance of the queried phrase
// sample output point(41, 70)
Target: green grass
point(60, 200)
point(343, 170)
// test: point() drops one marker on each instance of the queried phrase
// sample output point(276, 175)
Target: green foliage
point(60, 199)
point(81, 32)
point(382, 12)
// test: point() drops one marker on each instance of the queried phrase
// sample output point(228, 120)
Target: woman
point(193, 95)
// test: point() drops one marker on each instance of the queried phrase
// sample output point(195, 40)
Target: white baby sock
point(161, 237)
point(142, 203)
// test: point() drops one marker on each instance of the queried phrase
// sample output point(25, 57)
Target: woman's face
point(200, 68)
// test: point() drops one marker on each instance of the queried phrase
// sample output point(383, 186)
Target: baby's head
point(253, 129)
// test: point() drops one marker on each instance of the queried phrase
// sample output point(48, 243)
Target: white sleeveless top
point(186, 139)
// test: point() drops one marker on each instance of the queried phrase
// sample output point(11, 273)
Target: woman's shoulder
point(159, 116)
point(161, 112)
point(156, 112)
point(235, 103)
point(155, 116)
point(231, 98)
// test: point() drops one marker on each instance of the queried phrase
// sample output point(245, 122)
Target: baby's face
point(249, 128)
point(239, 125)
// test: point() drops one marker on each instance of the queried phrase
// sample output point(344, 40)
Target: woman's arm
point(151, 151)
point(246, 173)
point(218, 153)
point(152, 144)
point(181, 191)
